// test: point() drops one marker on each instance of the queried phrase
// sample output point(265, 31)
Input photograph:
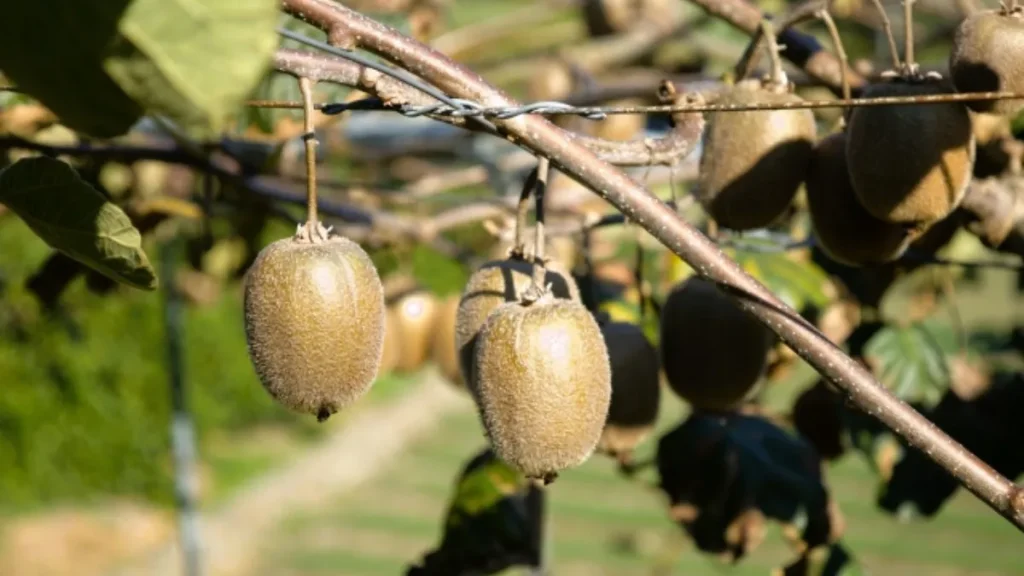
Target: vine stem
point(778, 77)
point(309, 138)
point(612, 184)
point(894, 52)
point(837, 44)
point(908, 36)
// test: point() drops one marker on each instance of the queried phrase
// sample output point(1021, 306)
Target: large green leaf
point(73, 217)
point(194, 60)
point(911, 360)
point(796, 283)
point(55, 50)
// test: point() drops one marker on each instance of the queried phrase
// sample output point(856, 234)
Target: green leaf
point(911, 360)
point(796, 283)
point(71, 216)
point(194, 61)
point(55, 50)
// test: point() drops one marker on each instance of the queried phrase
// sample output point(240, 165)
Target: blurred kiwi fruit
point(543, 384)
point(754, 161)
point(621, 127)
point(991, 134)
point(910, 164)
point(607, 17)
point(314, 322)
point(443, 349)
point(493, 284)
point(414, 314)
point(713, 353)
point(845, 231)
point(636, 389)
point(988, 56)
point(392, 342)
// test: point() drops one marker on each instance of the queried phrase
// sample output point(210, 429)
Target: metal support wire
point(183, 444)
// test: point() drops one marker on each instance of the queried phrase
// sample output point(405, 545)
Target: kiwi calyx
point(313, 232)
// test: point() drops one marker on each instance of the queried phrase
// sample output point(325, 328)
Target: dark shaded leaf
point(194, 61)
point(74, 218)
point(492, 523)
point(55, 51)
point(716, 469)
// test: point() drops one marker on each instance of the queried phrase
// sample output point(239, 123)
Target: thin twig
point(894, 52)
point(684, 240)
point(908, 37)
point(309, 139)
point(837, 45)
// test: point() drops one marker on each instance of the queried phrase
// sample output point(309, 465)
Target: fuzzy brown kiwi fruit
point(636, 389)
point(392, 342)
point(910, 164)
point(988, 56)
point(754, 161)
point(621, 127)
point(543, 384)
point(492, 285)
point(845, 231)
point(443, 349)
point(713, 353)
point(414, 314)
point(991, 134)
point(314, 322)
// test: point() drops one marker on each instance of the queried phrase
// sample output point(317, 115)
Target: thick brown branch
point(663, 223)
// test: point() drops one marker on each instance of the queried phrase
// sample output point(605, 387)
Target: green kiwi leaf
point(491, 523)
point(193, 61)
point(60, 62)
point(798, 284)
point(74, 218)
point(911, 360)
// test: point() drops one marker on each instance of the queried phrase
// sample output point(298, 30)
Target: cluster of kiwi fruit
point(420, 326)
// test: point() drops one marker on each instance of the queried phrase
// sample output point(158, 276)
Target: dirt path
point(350, 456)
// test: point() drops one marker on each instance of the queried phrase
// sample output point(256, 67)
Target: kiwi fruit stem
point(887, 28)
point(909, 65)
point(522, 212)
point(537, 289)
point(840, 51)
point(313, 231)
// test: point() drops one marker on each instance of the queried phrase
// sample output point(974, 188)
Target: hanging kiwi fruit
point(501, 281)
point(414, 313)
point(636, 389)
point(314, 310)
point(442, 349)
point(541, 375)
point(713, 353)
point(910, 164)
point(988, 56)
point(753, 162)
point(844, 230)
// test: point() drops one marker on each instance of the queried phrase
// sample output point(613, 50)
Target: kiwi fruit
point(754, 161)
point(314, 322)
point(621, 127)
point(493, 284)
point(543, 384)
point(910, 164)
point(607, 17)
point(414, 314)
point(713, 353)
point(636, 389)
point(392, 341)
point(844, 230)
point(988, 56)
point(443, 350)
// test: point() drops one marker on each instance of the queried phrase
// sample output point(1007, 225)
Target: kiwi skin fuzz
point(543, 384)
point(988, 56)
point(846, 232)
point(713, 352)
point(314, 323)
point(636, 389)
point(910, 164)
point(754, 161)
point(493, 284)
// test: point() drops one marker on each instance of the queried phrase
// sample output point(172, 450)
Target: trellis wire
point(470, 109)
